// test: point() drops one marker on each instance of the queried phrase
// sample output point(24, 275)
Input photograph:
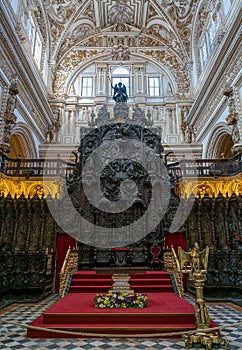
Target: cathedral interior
point(98, 93)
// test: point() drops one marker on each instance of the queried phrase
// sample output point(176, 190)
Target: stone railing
point(69, 266)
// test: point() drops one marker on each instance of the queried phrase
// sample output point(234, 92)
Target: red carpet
point(76, 311)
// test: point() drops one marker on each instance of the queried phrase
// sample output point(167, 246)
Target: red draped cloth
point(176, 239)
point(63, 242)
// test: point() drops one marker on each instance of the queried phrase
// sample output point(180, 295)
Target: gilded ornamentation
point(68, 64)
point(37, 190)
point(18, 186)
point(171, 264)
point(203, 189)
point(211, 187)
point(195, 262)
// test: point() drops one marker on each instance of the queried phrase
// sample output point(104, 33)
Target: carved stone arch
point(64, 78)
point(160, 67)
point(159, 21)
point(22, 142)
point(80, 22)
point(69, 41)
point(220, 143)
point(85, 64)
point(172, 33)
point(63, 22)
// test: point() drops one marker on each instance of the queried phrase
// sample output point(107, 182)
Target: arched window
point(121, 74)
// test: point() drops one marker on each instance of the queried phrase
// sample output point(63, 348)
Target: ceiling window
point(32, 31)
point(154, 86)
point(226, 6)
point(203, 53)
point(38, 49)
point(211, 33)
point(14, 4)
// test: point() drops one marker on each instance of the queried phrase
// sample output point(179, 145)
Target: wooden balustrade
point(59, 167)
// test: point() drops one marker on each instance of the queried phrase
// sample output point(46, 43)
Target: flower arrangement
point(121, 300)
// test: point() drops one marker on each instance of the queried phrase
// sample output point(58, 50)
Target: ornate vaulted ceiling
point(75, 20)
point(80, 30)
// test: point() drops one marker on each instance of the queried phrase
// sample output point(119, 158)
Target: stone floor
point(14, 337)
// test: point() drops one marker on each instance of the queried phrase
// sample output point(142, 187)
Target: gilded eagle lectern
point(195, 263)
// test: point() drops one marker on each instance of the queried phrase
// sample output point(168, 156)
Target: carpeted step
point(133, 282)
point(139, 281)
point(153, 289)
point(150, 275)
point(90, 289)
point(142, 282)
point(97, 330)
point(118, 318)
point(105, 288)
point(91, 282)
point(91, 275)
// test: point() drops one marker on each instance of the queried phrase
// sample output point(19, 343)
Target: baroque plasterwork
point(144, 23)
point(180, 15)
point(133, 40)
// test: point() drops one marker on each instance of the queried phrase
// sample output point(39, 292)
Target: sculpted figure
point(119, 92)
